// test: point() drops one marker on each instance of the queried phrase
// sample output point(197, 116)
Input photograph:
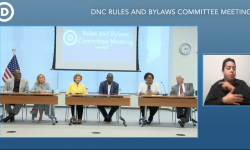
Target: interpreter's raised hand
point(227, 86)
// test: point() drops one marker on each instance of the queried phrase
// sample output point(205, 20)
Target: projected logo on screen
point(69, 37)
point(6, 13)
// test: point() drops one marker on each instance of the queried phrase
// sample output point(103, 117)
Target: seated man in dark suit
point(229, 90)
point(108, 87)
point(182, 89)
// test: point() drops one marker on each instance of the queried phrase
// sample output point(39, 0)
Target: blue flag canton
point(13, 65)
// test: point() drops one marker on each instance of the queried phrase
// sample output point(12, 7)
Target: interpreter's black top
point(216, 93)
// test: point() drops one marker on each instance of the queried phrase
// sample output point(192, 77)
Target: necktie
point(181, 90)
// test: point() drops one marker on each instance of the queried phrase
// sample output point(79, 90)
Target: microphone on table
point(164, 90)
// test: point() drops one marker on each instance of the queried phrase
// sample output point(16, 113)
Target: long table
point(174, 101)
point(29, 98)
point(99, 100)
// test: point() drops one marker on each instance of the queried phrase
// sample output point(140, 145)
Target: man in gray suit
point(182, 89)
point(16, 84)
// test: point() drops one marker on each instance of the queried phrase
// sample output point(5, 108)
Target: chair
point(67, 112)
point(191, 118)
point(147, 112)
point(24, 106)
point(85, 113)
point(174, 110)
point(99, 114)
point(193, 114)
point(3, 114)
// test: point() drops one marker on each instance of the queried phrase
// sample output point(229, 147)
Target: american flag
point(9, 71)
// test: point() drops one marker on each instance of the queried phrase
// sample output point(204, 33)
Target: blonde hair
point(37, 79)
point(76, 76)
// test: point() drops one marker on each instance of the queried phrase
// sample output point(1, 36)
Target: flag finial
point(13, 50)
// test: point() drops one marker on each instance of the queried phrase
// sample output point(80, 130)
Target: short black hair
point(147, 74)
point(225, 61)
point(109, 73)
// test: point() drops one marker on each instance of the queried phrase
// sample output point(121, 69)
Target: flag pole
point(14, 50)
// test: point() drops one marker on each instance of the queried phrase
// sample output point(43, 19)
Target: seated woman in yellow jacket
point(73, 89)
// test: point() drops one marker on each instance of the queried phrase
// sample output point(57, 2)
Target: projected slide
point(96, 48)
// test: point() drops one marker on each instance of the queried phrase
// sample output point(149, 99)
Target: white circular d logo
point(69, 37)
point(5, 12)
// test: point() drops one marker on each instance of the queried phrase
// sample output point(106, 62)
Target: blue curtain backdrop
point(35, 47)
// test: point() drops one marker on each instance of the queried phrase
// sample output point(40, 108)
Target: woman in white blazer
point(149, 87)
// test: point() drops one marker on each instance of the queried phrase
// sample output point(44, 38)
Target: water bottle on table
point(119, 92)
point(87, 90)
